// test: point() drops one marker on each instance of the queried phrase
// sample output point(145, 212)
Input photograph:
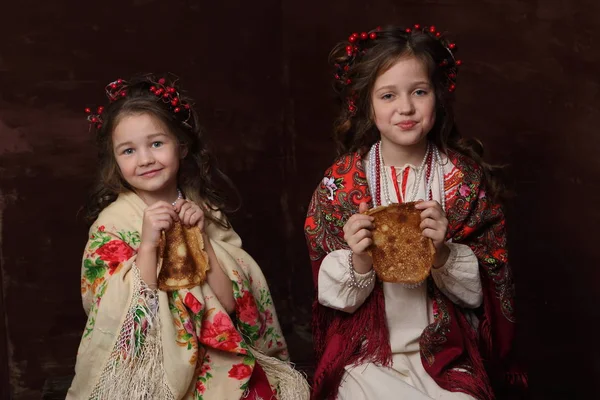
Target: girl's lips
point(406, 124)
point(150, 174)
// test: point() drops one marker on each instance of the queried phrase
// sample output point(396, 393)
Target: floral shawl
point(458, 357)
point(182, 344)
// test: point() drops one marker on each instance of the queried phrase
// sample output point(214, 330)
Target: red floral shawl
point(452, 352)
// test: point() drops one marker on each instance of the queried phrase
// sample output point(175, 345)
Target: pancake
point(401, 254)
point(184, 261)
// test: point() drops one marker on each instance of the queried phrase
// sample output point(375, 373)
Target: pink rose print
point(192, 303)
point(200, 388)
point(220, 333)
point(240, 371)
point(247, 309)
point(115, 251)
point(464, 190)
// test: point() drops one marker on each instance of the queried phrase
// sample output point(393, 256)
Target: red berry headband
point(359, 44)
point(167, 94)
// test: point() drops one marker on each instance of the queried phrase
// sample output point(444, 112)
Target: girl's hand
point(190, 213)
point(358, 235)
point(434, 225)
point(158, 217)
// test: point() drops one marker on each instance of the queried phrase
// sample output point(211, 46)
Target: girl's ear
point(183, 151)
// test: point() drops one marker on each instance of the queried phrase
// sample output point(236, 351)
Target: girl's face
point(148, 156)
point(403, 102)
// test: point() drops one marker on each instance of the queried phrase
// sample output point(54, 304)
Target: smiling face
point(148, 156)
point(403, 103)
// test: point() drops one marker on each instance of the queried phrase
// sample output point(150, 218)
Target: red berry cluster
point(358, 45)
point(95, 119)
point(168, 94)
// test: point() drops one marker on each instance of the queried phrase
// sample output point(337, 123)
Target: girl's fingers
point(162, 225)
point(422, 205)
point(187, 215)
point(195, 217)
point(360, 224)
point(162, 218)
point(183, 209)
point(433, 213)
point(363, 245)
point(434, 235)
point(178, 204)
point(362, 234)
point(357, 217)
point(163, 211)
point(363, 207)
point(432, 224)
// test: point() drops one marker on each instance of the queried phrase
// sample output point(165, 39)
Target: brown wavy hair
point(198, 177)
point(356, 130)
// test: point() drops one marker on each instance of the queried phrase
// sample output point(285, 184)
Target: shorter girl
point(217, 340)
point(398, 143)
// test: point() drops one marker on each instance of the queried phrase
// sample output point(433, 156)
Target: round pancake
point(401, 254)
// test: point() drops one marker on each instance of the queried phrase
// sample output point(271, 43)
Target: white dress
point(408, 311)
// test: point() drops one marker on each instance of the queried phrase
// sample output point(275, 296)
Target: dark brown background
point(529, 89)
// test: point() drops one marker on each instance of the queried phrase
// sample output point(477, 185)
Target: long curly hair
point(357, 71)
point(198, 177)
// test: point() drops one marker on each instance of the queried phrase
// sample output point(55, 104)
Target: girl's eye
point(157, 144)
point(420, 92)
point(128, 151)
point(387, 96)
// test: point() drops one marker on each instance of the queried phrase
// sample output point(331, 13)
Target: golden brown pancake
point(185, 263)
point(400, 252)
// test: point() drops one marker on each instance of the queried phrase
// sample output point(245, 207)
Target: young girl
point(398, 143)
point(217, 340)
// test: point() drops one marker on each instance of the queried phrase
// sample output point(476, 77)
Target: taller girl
point(397, 141)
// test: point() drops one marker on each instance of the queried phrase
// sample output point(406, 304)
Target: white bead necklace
point(179, 196)
point(419, 172)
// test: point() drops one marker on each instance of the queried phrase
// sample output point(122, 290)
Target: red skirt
point(258, 386)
